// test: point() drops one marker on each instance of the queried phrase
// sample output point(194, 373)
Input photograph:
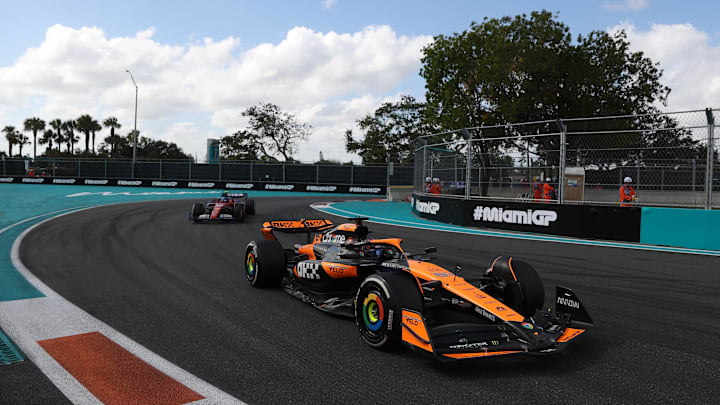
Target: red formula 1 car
point(226, 207)
point(397, 297)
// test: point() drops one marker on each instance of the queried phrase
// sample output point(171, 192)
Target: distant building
point(213, 150)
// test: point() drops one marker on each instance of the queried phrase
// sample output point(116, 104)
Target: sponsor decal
point(485, 313)
point(568, 302)
point(96, 182)
point(390, 319)
point(64, 181)
point(111, 194)
point(412, 321)
point(394, 266)
point(336, 269)
point(427, 207)
point(129, 182)
point(194, 184)
point(164, 183)
point(32, 180)
point(245, 186)
point(320, 188)
point(331, 237)
point(527, 217)
point(527, 325)
point(365, 190)
point(286, 187)
point(308, 270)
point(469, 346)
point(6, 180)
point(441, 274)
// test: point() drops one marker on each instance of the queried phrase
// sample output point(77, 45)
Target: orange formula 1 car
point(397, 297)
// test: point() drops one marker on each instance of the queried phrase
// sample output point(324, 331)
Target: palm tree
point(57, 126)
point(70, 138)
point(95, 127)
point(34, 124)
point(84, 124)
point(22, 139)
point(10, 135)
point(47, 138)
point(113, 124)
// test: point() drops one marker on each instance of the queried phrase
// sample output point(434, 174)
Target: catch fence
point(672, 159)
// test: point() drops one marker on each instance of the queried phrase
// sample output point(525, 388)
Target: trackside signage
point(203, 184)
point(583, 221)
point(508, 216)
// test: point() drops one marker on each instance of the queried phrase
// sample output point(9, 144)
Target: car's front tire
point(239, 212)
point(250, 206)
point(524, 291)
point(197, 210)
point(378, 307)
point(264, 263)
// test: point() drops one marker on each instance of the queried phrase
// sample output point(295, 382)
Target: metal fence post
point(54, 166)
point(251, 167)
point(563, 150)
point(425, 162)
point(219, 170)
point(161, 166)
point(709, 165)
point(3, 165)
point(105, 163)
point(352, 174)
point(284, 165)
point(78, 169)
point(190, 169)
point(693, 177)
point(468, 163)
point(317, 174)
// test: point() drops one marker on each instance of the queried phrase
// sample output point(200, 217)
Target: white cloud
point(329, 3)
point(77, 71)
point(632, 5)
point(691, 65)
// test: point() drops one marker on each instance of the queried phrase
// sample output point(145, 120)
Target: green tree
point(274, 131)
point(242, 145)
point(21, 140)
point(34, 125)
point(113, 124)
point(57, 125)
point(389, 130)
point(526, 68)
point(11, 136)
point(94, 127)
point(47, 139)
point(84, 124)
point(69, 135)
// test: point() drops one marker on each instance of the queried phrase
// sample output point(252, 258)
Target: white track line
point(27, 321)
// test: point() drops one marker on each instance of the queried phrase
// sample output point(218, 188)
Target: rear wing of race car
point(303, 225)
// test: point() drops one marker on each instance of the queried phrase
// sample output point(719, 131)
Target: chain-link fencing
point(664, 159)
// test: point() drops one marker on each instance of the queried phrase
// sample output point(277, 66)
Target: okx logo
point(308, 270)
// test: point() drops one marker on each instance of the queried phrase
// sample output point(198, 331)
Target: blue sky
point(176, 27)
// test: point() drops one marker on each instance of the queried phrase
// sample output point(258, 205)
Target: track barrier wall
point(201, 184)
point(676, 227)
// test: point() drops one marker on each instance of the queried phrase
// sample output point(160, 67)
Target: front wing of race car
point(545, 333)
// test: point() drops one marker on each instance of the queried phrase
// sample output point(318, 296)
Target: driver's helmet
point(225, 194)
point(225, 199)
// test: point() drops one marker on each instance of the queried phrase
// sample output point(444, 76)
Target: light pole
point(135, 133)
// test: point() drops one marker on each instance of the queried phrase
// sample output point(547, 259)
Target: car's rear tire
point(197, 210)
point(378, 307)
point(250, 206)
point(239, 212)
point(524, 291)
point(264, 263)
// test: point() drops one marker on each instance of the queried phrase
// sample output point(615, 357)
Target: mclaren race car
point(226, 207)
point(397, 297)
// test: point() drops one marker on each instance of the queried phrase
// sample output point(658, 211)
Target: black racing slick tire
point(264, 263)
point(197, 210)
point(524, 292)
point(378, 307)
point(250, 206)
point(239, 212)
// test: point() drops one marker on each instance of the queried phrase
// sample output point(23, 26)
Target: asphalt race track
point(178, 288)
